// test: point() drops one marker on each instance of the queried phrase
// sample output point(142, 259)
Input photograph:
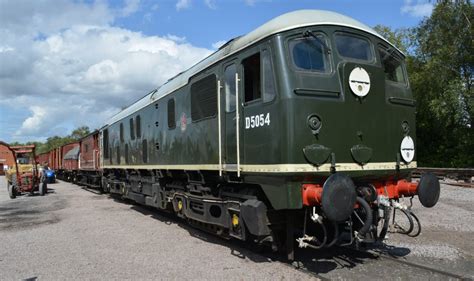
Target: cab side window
point(258, 79)
point(392, 65)
point(252, 82)
point(269, 91)
point(229, 84)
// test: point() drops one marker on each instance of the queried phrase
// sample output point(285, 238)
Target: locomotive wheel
point(11, 190)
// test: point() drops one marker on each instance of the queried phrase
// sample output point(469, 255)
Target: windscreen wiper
point(309, 33)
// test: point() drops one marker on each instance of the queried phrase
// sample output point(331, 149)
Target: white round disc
point(407, 149)
point(359, 81)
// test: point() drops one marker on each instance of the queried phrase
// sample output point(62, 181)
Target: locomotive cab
point(350, 115)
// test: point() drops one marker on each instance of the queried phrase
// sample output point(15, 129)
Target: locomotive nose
point(428, 190)
point(338, 197)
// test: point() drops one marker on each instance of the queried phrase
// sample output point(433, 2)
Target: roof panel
point(288, 21)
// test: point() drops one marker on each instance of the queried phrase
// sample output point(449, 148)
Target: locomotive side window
point(118, 154)
point(204, 98)
point(229, 76)
point(171, 114)
point(126, 154)
point(252, 81)
point(268, 80)
point(132, 130)
point(138, 122)
point(392, 65)
point(105, 143)
point(145, 151)
point(353, 47)
point(121, 132)
point(308, 54)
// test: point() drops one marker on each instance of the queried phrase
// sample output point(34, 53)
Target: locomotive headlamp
point(407, 149)
point(314, 123)
point(359, 82)
point(405, 127)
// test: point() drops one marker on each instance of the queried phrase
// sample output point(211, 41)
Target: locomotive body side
point(281, 122)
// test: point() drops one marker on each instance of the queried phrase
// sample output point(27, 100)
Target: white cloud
point(33, 123)
point(183, 4)
point(29, 18)
point(419, 8)
point(4, 49)
point(79, 74)
point(218, 44)
point(131, 6)
point(211, 4)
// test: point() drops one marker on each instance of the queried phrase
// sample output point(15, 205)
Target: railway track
point(380, 254)
point(464, 174)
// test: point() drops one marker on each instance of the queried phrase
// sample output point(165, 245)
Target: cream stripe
point(273, 168)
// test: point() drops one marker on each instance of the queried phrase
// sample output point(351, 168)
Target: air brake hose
point(414, 233)
point(336, 236)
point(400, 228)
point(386, 221)
point(368, 219)
point(325, 238)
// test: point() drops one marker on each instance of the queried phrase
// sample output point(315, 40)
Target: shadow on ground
point(314, 261)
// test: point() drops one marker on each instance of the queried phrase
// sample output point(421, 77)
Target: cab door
point(258, 93)
point(230, 85)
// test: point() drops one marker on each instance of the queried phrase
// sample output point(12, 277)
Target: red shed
point(6, 159)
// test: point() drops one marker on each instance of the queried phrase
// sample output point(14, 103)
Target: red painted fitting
point(407, 188)
point(311, 194)
point(397, 189)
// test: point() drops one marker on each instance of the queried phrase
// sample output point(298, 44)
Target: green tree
point(441, 80)
point(440, 66)
point(80, 132)
point(402, 38)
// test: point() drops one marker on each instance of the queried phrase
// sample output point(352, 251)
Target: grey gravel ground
point(75, 234)
point(447, 238)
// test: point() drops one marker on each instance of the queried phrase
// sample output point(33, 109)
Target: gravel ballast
point(72, 233)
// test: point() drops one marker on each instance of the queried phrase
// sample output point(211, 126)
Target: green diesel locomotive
point(303, 131)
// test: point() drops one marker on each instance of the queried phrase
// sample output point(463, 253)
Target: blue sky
point(66, 63)
point(203, 24)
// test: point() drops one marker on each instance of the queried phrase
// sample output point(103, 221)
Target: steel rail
point(387, 256)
